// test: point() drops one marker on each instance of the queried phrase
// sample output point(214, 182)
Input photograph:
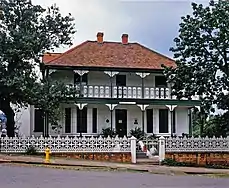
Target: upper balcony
point(121, 85)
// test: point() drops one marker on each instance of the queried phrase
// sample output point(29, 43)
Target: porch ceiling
point(187, 103)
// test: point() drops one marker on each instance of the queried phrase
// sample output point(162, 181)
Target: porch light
point(136, 122)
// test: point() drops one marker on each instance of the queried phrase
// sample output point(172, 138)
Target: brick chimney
point(124, 38)
point(100, 37)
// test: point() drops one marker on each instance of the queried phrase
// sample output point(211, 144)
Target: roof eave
point(121, 69)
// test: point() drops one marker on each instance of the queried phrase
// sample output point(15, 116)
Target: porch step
point(147, 161)
point(141, 155)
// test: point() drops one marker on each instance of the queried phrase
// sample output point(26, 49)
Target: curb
point(71, 165)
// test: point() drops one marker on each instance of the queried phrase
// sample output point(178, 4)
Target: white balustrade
point(130, 92)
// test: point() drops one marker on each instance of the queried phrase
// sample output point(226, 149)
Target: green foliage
point(108, 132)
point(137, 132)
point(31, 150)
point(201, 54)
point(171, 162)
point(215, 125)
point(26, 32)
point(47, 96)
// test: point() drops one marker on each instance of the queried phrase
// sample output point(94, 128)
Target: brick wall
point(124, 157)
point(200, 158)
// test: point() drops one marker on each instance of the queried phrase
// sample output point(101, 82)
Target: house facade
point(121, 86)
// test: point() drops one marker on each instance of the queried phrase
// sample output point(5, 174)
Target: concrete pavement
point(134, 167)
point(37, 177)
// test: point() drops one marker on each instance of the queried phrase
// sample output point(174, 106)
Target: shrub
point(31, 150)
point(137, 133)
point(108, 132)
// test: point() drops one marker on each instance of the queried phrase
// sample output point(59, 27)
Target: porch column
point(171, 109)
point(142, 75)
point(80, 73)
point(111, 74)
point(111, 107)
point(190, 121)
point(80, 106)
point(143, 109)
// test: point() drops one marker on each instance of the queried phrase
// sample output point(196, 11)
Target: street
point(40, 177)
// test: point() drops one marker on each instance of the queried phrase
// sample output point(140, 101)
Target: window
point(67, 120)
point(120, 80)
point(82, 120)
point(94, 120)
point(163, 121)
point(160, 81)
point(39, 120)
point(77, 79)
point(149, 116)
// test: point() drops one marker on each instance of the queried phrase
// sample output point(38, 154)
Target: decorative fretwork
point(65, 144)
point(197, 144)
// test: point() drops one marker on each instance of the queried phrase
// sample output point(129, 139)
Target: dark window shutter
point(82, 120)
point(163, 121)
point(149, 116)
point(68, 120)
point(94, 120)
point(39, 120)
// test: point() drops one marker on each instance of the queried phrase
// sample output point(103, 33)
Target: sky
point(153, 23)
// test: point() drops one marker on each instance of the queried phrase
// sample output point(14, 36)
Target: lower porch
point(90, 119)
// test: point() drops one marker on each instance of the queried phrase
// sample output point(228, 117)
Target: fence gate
point(147, 147)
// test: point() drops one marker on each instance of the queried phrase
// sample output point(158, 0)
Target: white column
point(133, 141)
point(143, 108)
point(161, 149)
point(74, 120)
point(89, 120)
point(170, 120)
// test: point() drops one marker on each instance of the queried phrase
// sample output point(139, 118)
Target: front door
point(121, 122)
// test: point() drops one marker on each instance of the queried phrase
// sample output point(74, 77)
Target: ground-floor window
point(149, 117)
point(94, 120)
point(39, 120)
point(82, 120)
point(68, 120)
point(163, 121)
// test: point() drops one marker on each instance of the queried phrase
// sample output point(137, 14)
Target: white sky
point(153, 23)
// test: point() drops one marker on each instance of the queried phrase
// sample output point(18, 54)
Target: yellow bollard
point(47, 155)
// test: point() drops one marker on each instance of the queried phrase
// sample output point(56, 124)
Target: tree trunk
point(6, 108)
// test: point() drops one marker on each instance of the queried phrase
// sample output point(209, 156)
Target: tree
point(202, 52)
point(26, 32)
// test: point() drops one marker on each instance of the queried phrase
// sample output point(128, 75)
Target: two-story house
point(121, 86)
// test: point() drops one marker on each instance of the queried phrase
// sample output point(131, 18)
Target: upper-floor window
point(120, 80)
point(77, 79)
point(160, 81)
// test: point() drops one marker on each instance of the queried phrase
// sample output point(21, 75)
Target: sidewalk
point(133, 167)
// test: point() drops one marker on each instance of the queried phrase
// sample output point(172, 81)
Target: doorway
point(121, 122)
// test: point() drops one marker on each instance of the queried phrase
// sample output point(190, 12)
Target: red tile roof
point(109, 54)
point(47, 57)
